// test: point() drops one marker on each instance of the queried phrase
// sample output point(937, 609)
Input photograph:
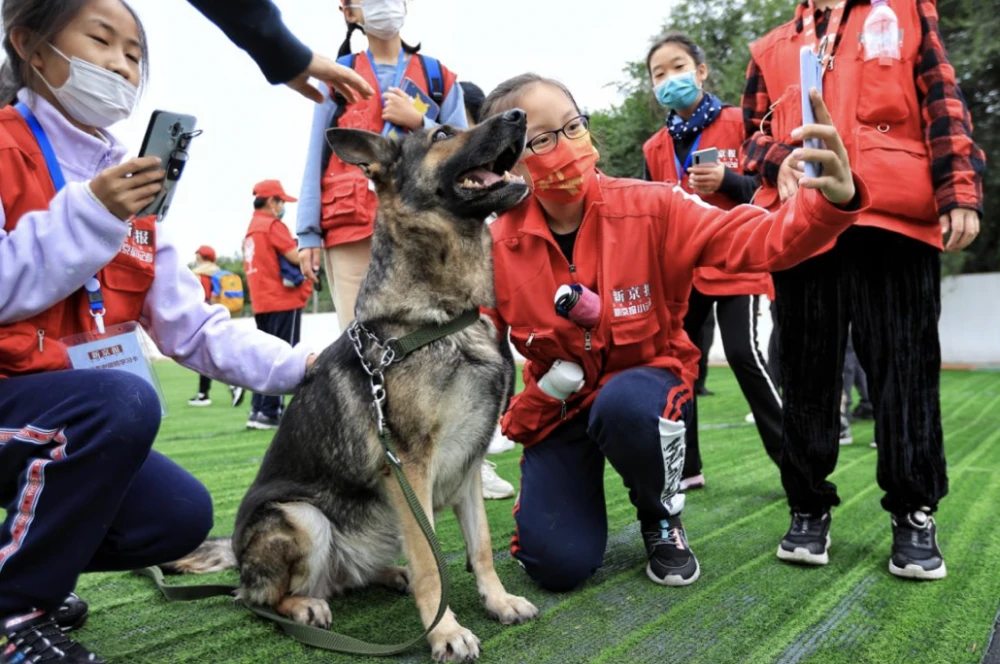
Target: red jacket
point(347, 203)
point(877, 111)
point(267, 237)
point(726, 134)
point(32, 345)
point(637, 247)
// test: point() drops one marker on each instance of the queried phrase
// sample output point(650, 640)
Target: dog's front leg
point(471, 512)
point(450, 642)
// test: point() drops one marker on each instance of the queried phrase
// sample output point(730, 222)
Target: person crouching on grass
point(83, 490)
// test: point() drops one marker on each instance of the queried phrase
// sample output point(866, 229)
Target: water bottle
point(881, 34)
point(562, 380)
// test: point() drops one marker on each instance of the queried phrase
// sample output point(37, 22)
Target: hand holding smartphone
point(811, 76)
point(168, 137)
point(708, 156)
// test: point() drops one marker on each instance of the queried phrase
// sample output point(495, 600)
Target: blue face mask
point(678, 92)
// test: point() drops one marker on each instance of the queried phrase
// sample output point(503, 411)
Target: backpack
point(432, 75)
point(227, 290)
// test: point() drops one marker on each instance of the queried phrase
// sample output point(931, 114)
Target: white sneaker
point(237, 393)
point(200, 399)
point(495, 487)
point(750, 419)
point(500, 443)
point(845, 432)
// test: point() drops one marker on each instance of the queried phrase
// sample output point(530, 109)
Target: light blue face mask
point(678, 92)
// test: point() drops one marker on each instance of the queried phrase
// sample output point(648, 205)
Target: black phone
point(168, 136)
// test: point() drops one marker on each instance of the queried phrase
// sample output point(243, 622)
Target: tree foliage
point(725, 28)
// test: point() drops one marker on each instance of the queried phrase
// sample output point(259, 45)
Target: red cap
point(272, 189)
point(206, 252)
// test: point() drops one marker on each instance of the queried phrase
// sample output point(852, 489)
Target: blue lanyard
point(397, 78)
point(687, 161)
point(93, 285)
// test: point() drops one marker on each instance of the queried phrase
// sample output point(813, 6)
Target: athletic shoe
point(915, 552)
point(200, 399)
point(671, 561)
point(702, 391)
point(262, 422)
point(494, 486)
point(750, 419)
point(237, 393)
point(35, 637)
point(500, 443)
point(845, 431)
point(807, 540)
point(863, 411)
point(694, 482)
point(72, 614)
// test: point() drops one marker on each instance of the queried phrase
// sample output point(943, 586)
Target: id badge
point(120, 348)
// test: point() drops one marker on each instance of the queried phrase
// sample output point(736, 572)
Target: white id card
point(118, 348)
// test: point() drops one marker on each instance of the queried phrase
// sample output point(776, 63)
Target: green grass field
point(746, 608)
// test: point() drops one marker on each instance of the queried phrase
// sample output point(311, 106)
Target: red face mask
point(561, 176)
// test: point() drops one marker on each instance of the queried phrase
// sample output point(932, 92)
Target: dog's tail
point(214, 555)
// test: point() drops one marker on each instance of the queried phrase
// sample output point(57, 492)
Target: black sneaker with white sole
point(72, 614)
point(915, 552)
point(35, 637)
point(807, 540)
point(671, 561)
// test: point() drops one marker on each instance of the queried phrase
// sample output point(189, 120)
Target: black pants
point(707, 336)
point(285, 325)
point(204, 385)
point(737, 317)
point(854, 376)
point(888, 287)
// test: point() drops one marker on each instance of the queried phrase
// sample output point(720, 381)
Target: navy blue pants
point(285, 325)
point(82, 488)
point(562, 525)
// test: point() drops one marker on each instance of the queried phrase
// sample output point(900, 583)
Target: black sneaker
point(237, 394)
point(72, 614)
point(863, 411)
point(35, 637)
point(915, 552)
point(671, 561)
point(807, 540)
point(200, 400)
point(262, 422)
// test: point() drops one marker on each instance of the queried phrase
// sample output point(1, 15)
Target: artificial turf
point(746, 608)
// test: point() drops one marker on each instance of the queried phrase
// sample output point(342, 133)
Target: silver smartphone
point(704, 157)
point(168, 136)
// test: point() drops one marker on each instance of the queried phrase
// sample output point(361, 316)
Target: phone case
point(168, 136)
point(811, 76)
point(706, 156)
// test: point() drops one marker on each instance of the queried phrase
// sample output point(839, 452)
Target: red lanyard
point(823, 48)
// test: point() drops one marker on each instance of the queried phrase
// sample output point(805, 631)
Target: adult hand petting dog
point(836, 183)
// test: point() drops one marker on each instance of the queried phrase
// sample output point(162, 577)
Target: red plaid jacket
point(945, 116)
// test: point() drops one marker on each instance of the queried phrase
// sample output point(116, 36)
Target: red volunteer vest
point(260, 261)
point(877, 111)
point(727, 134)
point(348, 206)
point(32, 345)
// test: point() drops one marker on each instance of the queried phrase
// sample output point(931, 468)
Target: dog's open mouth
point(491, 175)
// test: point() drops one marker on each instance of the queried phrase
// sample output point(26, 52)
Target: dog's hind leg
point(285, 563)
point(471, 512)
point(394, 578)
point(450, 642)
point(214, 555)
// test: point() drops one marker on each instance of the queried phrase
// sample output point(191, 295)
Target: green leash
point(393, 351)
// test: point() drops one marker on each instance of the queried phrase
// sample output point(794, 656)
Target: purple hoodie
point(52, 253)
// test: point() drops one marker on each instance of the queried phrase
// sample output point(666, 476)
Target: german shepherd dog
point(324, 515)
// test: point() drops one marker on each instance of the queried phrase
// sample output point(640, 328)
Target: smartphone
point(811, 76)
point(168, 137)
point(706, 156)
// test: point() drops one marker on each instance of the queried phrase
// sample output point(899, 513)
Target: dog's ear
point(372, 152)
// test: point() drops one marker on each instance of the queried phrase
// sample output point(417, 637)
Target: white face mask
point(383, 18)
point(92, 95)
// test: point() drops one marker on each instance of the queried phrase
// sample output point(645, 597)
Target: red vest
point(347, 204)
point(260, 260)
point(727, 134)
point(875, 108)
point(32, 345)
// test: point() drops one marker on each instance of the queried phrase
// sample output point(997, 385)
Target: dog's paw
point(510, 609)
point(394, 578)
point(453, 644)
point(306, 610)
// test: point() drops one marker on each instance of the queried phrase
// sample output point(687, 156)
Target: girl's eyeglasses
point(546, 142)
